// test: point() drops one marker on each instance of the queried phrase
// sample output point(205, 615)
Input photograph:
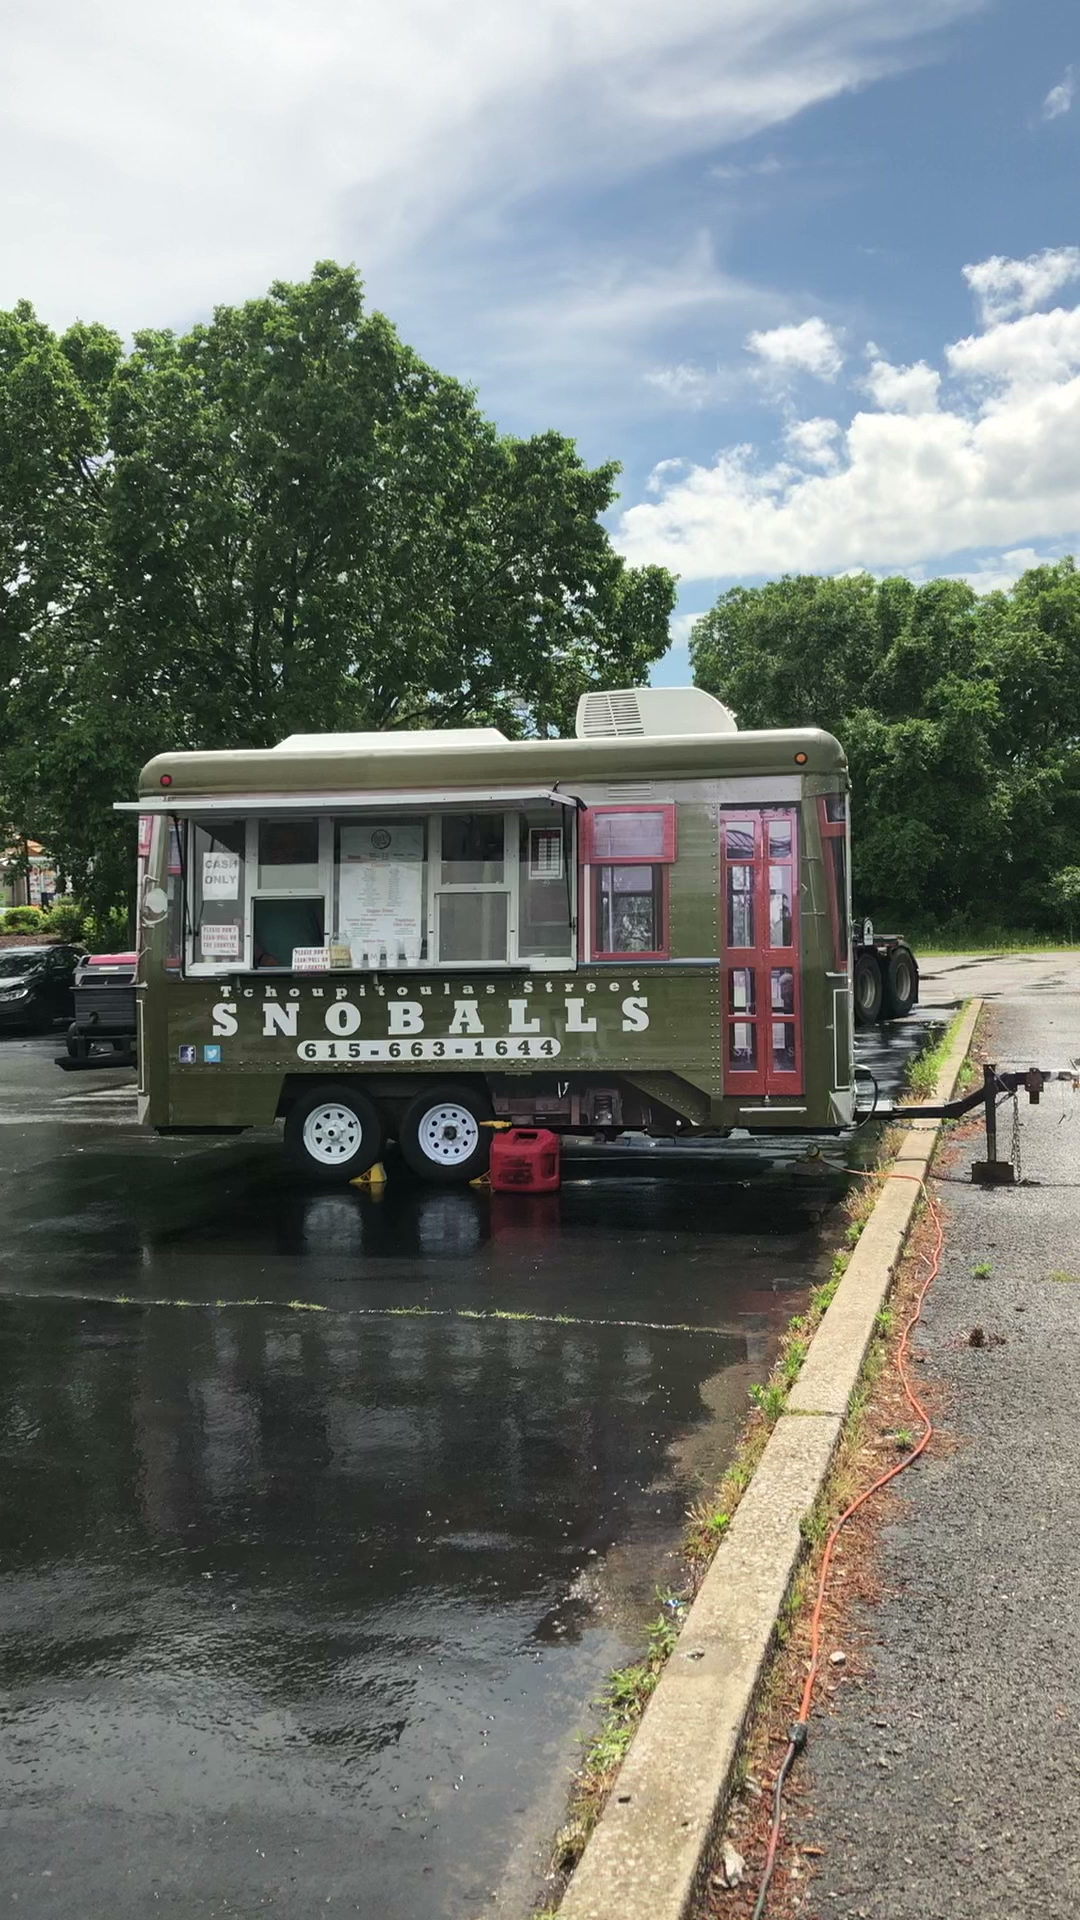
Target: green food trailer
point(407, 935)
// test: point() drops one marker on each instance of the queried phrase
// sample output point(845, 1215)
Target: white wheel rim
point(332, 1134)
point(448, 1134)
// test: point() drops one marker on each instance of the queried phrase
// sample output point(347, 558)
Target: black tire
point(869, 988)
point(442, 1136)
point(901, 983)
point(333, 1133)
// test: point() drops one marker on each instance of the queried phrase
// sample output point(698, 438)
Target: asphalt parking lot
point(327, 1515)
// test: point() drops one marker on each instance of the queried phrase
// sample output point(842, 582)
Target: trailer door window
point(760, 891)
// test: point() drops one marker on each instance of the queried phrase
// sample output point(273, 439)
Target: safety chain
point(1015, 1156)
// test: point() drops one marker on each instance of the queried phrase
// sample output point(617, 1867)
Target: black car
point(35, 985)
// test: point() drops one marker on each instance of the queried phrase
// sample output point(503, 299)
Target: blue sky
point(723, 242)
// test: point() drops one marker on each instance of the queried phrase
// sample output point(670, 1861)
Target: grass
point(925, 1072)
point(982, 1271)
point(624, 1700)
point(973, 936)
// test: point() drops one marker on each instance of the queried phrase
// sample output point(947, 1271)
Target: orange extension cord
point(798, 1733)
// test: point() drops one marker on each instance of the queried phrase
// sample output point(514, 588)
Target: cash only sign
point(384, 1020)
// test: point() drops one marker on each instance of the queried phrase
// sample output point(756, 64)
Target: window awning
point(421, 800)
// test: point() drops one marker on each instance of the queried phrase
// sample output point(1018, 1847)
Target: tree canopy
point(280, 521)
point(961, 718)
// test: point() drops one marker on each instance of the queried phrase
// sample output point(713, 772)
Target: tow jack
point(997, 1084)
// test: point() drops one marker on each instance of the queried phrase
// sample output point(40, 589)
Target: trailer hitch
point(997, 1084)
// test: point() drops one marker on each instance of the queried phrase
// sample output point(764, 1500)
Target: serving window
point(462, 887)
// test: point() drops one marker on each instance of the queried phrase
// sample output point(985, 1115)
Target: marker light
point(166, 778)
point(800, 761)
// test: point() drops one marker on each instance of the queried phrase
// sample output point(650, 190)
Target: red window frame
point(591, 857)
point(591, 863)
point(761, 958)
point(630, 954)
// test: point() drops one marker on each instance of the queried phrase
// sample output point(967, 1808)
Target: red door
point(759, 869)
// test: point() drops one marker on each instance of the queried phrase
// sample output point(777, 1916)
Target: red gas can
point(525, 1160)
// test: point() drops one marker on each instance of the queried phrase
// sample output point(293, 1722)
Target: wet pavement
point(326, 1516)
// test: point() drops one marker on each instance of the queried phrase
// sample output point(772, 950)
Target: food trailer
point(408, 936)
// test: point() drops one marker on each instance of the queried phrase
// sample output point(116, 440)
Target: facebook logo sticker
point(212, 1056)
point(187, 1056)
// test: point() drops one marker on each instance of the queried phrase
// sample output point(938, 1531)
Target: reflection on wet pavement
point(304, 1601)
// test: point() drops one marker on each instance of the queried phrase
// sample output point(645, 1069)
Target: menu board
point(381, 898)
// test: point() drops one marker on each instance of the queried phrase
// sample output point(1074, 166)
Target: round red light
point(800, 759)
point(166, 779)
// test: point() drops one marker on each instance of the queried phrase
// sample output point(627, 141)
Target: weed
point(904, 1438)
point(885, 1321)
point(1066, 1279)
point(853, 1233)
point(770, 1398)
point(925, 1072)
point(982, 1271)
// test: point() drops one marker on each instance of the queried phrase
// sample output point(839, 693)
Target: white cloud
point(1060, 98)
point(903, 389)
point(996, 573)
point(1007, 287)
point(685, 383)
point(814, 441)
point(156, 158)
point(995, 469)
point(810, 347)
point(1039, 349)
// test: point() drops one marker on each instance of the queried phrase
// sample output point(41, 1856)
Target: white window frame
point(510, 886)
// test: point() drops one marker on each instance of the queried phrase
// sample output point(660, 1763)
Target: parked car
point(102, 1033)
point(36, 985)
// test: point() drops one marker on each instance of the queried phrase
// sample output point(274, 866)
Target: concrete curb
point(645, 1857)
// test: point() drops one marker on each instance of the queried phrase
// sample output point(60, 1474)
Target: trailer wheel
point(333, 1133)
point(901, 983)
point(442, 1136)
point(869, 988)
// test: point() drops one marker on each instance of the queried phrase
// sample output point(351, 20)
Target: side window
point(174, 894)
point(288, 908)
point(216, 889)
point(472, 888)
point(627, 851)
point(544, 883)
point(832, 818)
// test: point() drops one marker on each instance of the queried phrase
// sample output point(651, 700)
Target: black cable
point(797, 1733)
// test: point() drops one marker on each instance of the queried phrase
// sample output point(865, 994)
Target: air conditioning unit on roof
point(651, 712)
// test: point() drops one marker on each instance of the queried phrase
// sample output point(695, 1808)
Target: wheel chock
point(375, 1178)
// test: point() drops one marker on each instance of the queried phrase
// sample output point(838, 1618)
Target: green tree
point(281, 521)
point(960, 715)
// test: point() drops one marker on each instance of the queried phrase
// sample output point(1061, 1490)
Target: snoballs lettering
point(451, 1020)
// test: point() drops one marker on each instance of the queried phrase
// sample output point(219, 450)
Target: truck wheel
point(901, 983)
point(441, 1136)
point(333, 1133)
point(869, 989)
